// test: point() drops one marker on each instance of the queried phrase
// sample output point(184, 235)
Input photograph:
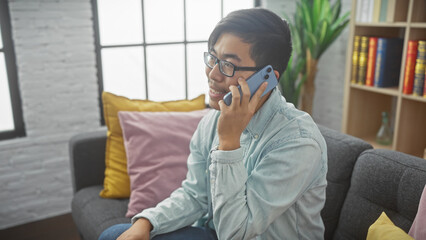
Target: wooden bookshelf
point(363, 105)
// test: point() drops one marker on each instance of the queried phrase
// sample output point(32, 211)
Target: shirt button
point(256, 136)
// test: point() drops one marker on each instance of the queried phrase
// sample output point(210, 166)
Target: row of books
point(376, 61)
point(415, 68)
point(375, 10)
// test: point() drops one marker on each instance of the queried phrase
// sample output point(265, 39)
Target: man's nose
point(215, 74)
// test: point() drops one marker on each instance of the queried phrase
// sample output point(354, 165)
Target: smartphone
point(265, 74)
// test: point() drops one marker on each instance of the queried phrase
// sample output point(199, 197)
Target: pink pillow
point(157, 148)
point(418, 229)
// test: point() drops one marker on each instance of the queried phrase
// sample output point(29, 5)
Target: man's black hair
point(268, 34)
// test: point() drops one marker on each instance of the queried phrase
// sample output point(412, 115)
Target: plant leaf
point(335, 10)
point(307, 18)
point(324, 28)
point(325, 9)
point(316, 12)
point(334, 36)
point(341, 20)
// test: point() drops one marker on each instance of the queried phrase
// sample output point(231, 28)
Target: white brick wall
point(54, 48)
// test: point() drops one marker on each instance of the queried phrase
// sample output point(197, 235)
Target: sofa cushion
point(382, 181)
point(93, 214)
point(418, 229)
point(117, 182)
point(383, 228)
point(343, 151)
point(157, 149)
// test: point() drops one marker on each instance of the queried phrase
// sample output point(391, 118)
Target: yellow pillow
point(117, 182)
point(384, 229)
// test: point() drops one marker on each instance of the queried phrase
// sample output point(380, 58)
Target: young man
point(257, 168)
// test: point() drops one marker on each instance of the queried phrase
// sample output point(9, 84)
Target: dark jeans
point(186, 233)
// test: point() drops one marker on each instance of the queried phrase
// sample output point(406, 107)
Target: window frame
point(144, 45)
point(11, 71)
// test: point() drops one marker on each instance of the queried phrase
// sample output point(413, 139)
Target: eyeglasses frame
point(236, 68)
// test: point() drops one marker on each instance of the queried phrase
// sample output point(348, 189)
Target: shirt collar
point(264, 115)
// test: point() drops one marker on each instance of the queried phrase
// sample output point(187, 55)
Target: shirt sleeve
point(244, 206)
point(186, 204)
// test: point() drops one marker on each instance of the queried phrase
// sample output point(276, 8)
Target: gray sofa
point(362, 182)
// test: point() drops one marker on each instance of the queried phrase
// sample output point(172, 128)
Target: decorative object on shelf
point(315, 26)
point(384, 135)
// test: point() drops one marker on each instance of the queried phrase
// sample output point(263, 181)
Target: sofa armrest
point(87, 159)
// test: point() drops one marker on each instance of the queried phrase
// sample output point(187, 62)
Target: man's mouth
point(217, 94)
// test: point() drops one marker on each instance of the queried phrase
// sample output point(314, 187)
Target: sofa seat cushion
point(93, 214)
point(382, 181)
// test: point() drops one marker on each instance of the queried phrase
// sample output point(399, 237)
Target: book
point(383, 11)
point(388, 62)
point(355, 55)
point(410, 63)
point(424, 87)
point(362, 60)
point(376, 10)
point(358, 10)
point(371, 61)
point(370, 11)
point(419, 70)
point(365, 13)
point(390, 15)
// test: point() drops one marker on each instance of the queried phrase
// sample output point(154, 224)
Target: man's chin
point(214, 104)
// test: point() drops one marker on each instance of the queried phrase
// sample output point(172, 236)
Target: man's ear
point(277, 74)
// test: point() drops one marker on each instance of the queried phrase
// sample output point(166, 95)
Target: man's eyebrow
point(228, 55)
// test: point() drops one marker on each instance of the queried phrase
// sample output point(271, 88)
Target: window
point(11, 124)
point(153, 49)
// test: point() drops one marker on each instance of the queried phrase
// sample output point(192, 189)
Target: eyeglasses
point(226, 68)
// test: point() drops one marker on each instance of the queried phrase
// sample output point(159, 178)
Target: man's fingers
point(222, 105)
point(245, 90)
point(257, 96)
point(235, 96)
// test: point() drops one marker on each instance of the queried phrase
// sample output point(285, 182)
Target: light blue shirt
point(272, 187)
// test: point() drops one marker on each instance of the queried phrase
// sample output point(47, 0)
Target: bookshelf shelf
point(418, 25)
point(382, 24)
point(414, 98)
point(388, 91)
point(363, 105)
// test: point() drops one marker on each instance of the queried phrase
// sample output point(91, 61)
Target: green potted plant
point(290, 82)
point(315, 26)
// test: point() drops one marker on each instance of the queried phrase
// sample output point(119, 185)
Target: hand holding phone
point(266, 74)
